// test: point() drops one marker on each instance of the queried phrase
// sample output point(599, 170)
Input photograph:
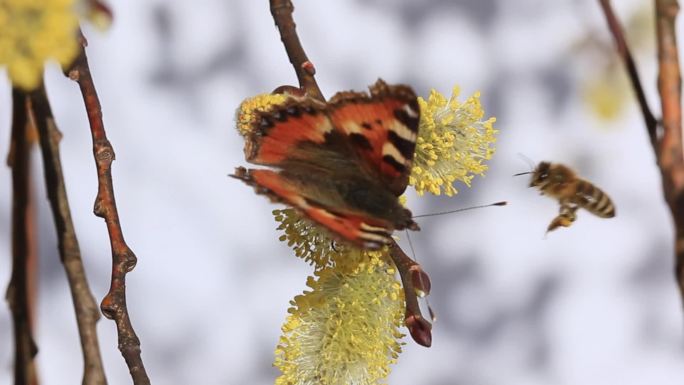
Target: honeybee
point(572, 192)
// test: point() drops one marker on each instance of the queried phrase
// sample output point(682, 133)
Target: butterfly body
point(342, 164)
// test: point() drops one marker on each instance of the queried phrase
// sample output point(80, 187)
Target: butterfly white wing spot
point(410, 111)
point(365, 226)
point(300, 202)
point(389, 149)
point(351, 127)
point(375, 234)
point(402, 131)
point(375, 238)
point(324, 127)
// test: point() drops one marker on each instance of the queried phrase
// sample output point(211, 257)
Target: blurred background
point(591, 304)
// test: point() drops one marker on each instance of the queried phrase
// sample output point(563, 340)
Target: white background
point(592, 304)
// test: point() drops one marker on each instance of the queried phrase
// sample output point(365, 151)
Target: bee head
point(541, 174)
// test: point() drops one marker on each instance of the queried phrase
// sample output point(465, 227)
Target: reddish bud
point(420, 329)
point(309, 68)
point(420, 280)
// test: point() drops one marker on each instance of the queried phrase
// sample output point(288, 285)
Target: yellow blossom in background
point(246, 112)
point(607, 94)
point(98, 13)
point(345, 330)
point(453, 141)
point(33, 31)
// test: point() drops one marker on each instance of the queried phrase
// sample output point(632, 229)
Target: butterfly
point(343, 164)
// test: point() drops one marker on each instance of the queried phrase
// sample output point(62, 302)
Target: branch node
point(130, 260)
point(74, 75)
point(109, 306)
point(98, 208)
point(104, 152)
point(309, 68)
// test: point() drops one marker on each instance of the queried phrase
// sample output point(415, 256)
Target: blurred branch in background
point(123, 259)
point(670, 152)
point(626, 56)
point(87, 315)
point(667, 142)
point(19, 290)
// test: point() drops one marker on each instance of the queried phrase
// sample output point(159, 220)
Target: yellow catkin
point(345, 330)
point(246, 112)
point(453, 142)
point(34, 31)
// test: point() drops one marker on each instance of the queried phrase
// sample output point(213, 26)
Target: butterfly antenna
point(501, 203)
point(420, 277)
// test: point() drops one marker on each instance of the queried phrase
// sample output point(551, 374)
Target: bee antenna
point(501, 203)
point(523, 173)
point(527, 160)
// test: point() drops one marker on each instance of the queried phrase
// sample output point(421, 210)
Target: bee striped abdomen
point(592, 199)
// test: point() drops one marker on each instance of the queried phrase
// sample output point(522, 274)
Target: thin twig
point(414, 281)
point(85, 306)
point(18, 291)
point(670, 151)
point(123, 259)
point(282, 15)
point(632, 72)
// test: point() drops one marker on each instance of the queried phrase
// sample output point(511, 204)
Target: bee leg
point(565, 218)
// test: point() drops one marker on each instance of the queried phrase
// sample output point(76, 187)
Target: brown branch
point(670, 152)
point(18, 290)
point(85, 306)
point(282, 15)
point(415, 282)
point(628, 60)
point(123, 259)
